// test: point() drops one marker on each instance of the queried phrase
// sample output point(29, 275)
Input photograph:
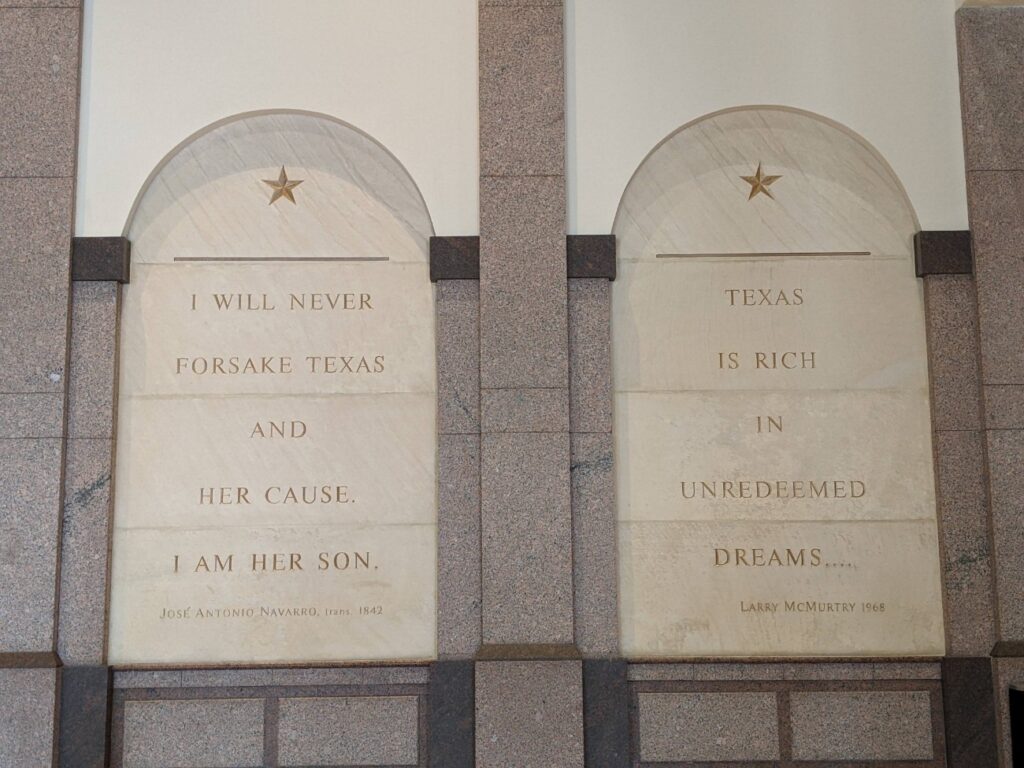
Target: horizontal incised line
point(281, 258)
point(790, 253)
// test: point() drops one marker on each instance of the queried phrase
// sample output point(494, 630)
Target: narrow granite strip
point(458, 537)
point(458, 357)
point(951, 313)
point(595, 545)
point(85, 551)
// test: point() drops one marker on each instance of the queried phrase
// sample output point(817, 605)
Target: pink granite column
point(991, 46)
point(529, 679)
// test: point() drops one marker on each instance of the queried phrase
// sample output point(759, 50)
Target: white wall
point(154, 72)
point(639, 69)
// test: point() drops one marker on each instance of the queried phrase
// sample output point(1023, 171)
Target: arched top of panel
point(821, 188)
point(212, 194)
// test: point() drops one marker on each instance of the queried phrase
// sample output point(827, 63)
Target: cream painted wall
point(639, 69)
point(154, 72)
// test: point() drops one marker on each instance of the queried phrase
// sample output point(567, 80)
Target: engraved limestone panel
point(774, 473)
point(276, 451)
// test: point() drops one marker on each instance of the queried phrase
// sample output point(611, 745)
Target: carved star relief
point(759, 183)
point(282, 187)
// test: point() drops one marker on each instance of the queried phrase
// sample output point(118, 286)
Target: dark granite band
point(458, 258)
point(606, 737)
point(943, 253)
point(1008, 649)
point(101, 258)
point(85, 708)
point(29, 660)
point(969, 712)
point(454, 258)
point(590, 256)
point(452, 714)
point(529, 652)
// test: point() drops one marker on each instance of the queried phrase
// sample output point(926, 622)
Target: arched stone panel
point(775, 485)
point(276, 453)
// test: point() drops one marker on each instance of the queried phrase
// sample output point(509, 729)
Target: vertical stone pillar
point(39, 64)
point(991, 47)
point(529, 694)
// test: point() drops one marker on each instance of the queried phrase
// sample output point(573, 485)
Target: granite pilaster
point(39, 54)
point(991, 48)
point(527, 538)
point(523, 325)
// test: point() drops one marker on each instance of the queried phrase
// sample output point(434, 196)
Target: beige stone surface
point(798, 588)
point(774, 472)
point(276, 452)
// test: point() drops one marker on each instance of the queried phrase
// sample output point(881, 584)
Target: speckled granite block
point(529, 714)
point(31, 415)
point(991, 48)
point(595, 545)
point(868, 725)
point(527, 539)
point(371, 730)
point(1006, 472)
point(996, 202)
point(458, 356)
point(1004, 407)
point(676, 727)
point(523, 322)
point(212, 733)
point(952, 321)
point(962, 497)
point(39, 88)
point(522, 92)
point(590, 355)
point(27, 706)
point(85, 551)
point(35, 226)
point(30, 472)
point(92, 381)
point(1007, 672)
point(525, 410)
point(458, 535)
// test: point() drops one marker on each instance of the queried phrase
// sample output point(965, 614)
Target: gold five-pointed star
point(759, 183)
point(282, 187)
